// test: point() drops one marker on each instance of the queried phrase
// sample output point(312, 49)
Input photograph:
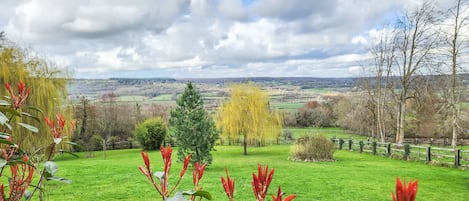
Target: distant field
point(288, 106)
point(163, 97)
point(131, 98)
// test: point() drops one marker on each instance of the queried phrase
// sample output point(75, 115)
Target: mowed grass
point(353, 176)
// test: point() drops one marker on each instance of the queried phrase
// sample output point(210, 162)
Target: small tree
point(247, 115)
point(151, 133)
point(194, 130)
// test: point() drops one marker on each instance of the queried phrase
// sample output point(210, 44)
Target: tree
point(455, 43)
point(193, 128)
point(415, 38)
point(247, 115)
point(49, 95)
point(151, 133)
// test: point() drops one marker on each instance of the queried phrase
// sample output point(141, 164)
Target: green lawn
point(353, 176)
point(329, 132)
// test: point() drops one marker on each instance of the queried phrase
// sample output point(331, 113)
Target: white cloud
point(200, 38)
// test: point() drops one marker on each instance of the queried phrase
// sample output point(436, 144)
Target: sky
point(201, 38)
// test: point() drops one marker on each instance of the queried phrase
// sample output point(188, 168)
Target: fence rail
point(429, 154)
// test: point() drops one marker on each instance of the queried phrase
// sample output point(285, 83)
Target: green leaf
point(159, 175)
point(74, 144)
point(3, 118)
point(4, 135)
point(35, 109)
point(9, 110)
point(4, 103)
point(73, 154)
point(27, 194)
point(67, 181)
point(51, 167)
point(29, 127)
point(31, 116)
point(3, 141)
point(3, 162)
point(177, 197)
point(204, 194)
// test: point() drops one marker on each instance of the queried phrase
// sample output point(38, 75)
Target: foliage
point(49, 85)
point(313, 148)
point(151, 133)
point(405, 191)
point(247, 115)
point(162, 187)
point(21, 167)
point(193, 129)
point(260, 185)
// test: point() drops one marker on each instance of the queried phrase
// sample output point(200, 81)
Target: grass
point(329, 132)
point(353, 176)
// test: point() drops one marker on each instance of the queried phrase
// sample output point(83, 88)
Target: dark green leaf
point(8, 125)
point(204, 194)
point(35, 109)
point(51, 167)
point(29, 127)
point(4, 103)
point(9, 110)
point(74, 144)
point(3, 141)
point(31, 116)
point(73, 154)
point(68, 181)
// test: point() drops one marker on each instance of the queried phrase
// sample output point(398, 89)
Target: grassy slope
point(352, 177)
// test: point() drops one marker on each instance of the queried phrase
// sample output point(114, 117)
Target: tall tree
point(456, 43)
point(193, 128)
point(247, 115)
point(415, 38)
point(383, 54)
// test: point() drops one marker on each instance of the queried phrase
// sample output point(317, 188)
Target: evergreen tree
point(193, 129)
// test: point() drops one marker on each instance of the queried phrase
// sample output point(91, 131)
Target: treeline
point(106, 123)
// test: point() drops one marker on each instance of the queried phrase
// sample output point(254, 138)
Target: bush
point(151, 133)
point(313, 148)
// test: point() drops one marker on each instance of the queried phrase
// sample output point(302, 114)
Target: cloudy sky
point(200, 38)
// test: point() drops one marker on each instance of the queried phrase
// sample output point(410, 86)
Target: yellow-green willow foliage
point(246, 116)
point(48, 92)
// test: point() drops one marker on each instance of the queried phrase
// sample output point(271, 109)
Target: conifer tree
point(193, 129)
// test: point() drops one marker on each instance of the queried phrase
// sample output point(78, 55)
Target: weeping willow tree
point(48, 93)
point(247, 116)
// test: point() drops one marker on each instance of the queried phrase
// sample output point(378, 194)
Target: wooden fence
point(429, 154)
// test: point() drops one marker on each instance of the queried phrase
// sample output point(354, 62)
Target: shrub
point(151, 133)
point(313, 148)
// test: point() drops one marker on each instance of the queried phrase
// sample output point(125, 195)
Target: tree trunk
point(400, 122)
point(245, 145)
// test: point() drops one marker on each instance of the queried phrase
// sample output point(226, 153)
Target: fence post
point(373, 145)
point(350, 142)
point(389, 149)
point(457, 157)
point(429, 154)
point(341, 143)
point(361, 145)
point(406, 151)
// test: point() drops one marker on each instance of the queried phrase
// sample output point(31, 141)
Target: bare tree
point(455, 42)
point(383, 55)
point(415, 39)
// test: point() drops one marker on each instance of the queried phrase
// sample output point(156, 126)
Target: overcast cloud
point(200, 38)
